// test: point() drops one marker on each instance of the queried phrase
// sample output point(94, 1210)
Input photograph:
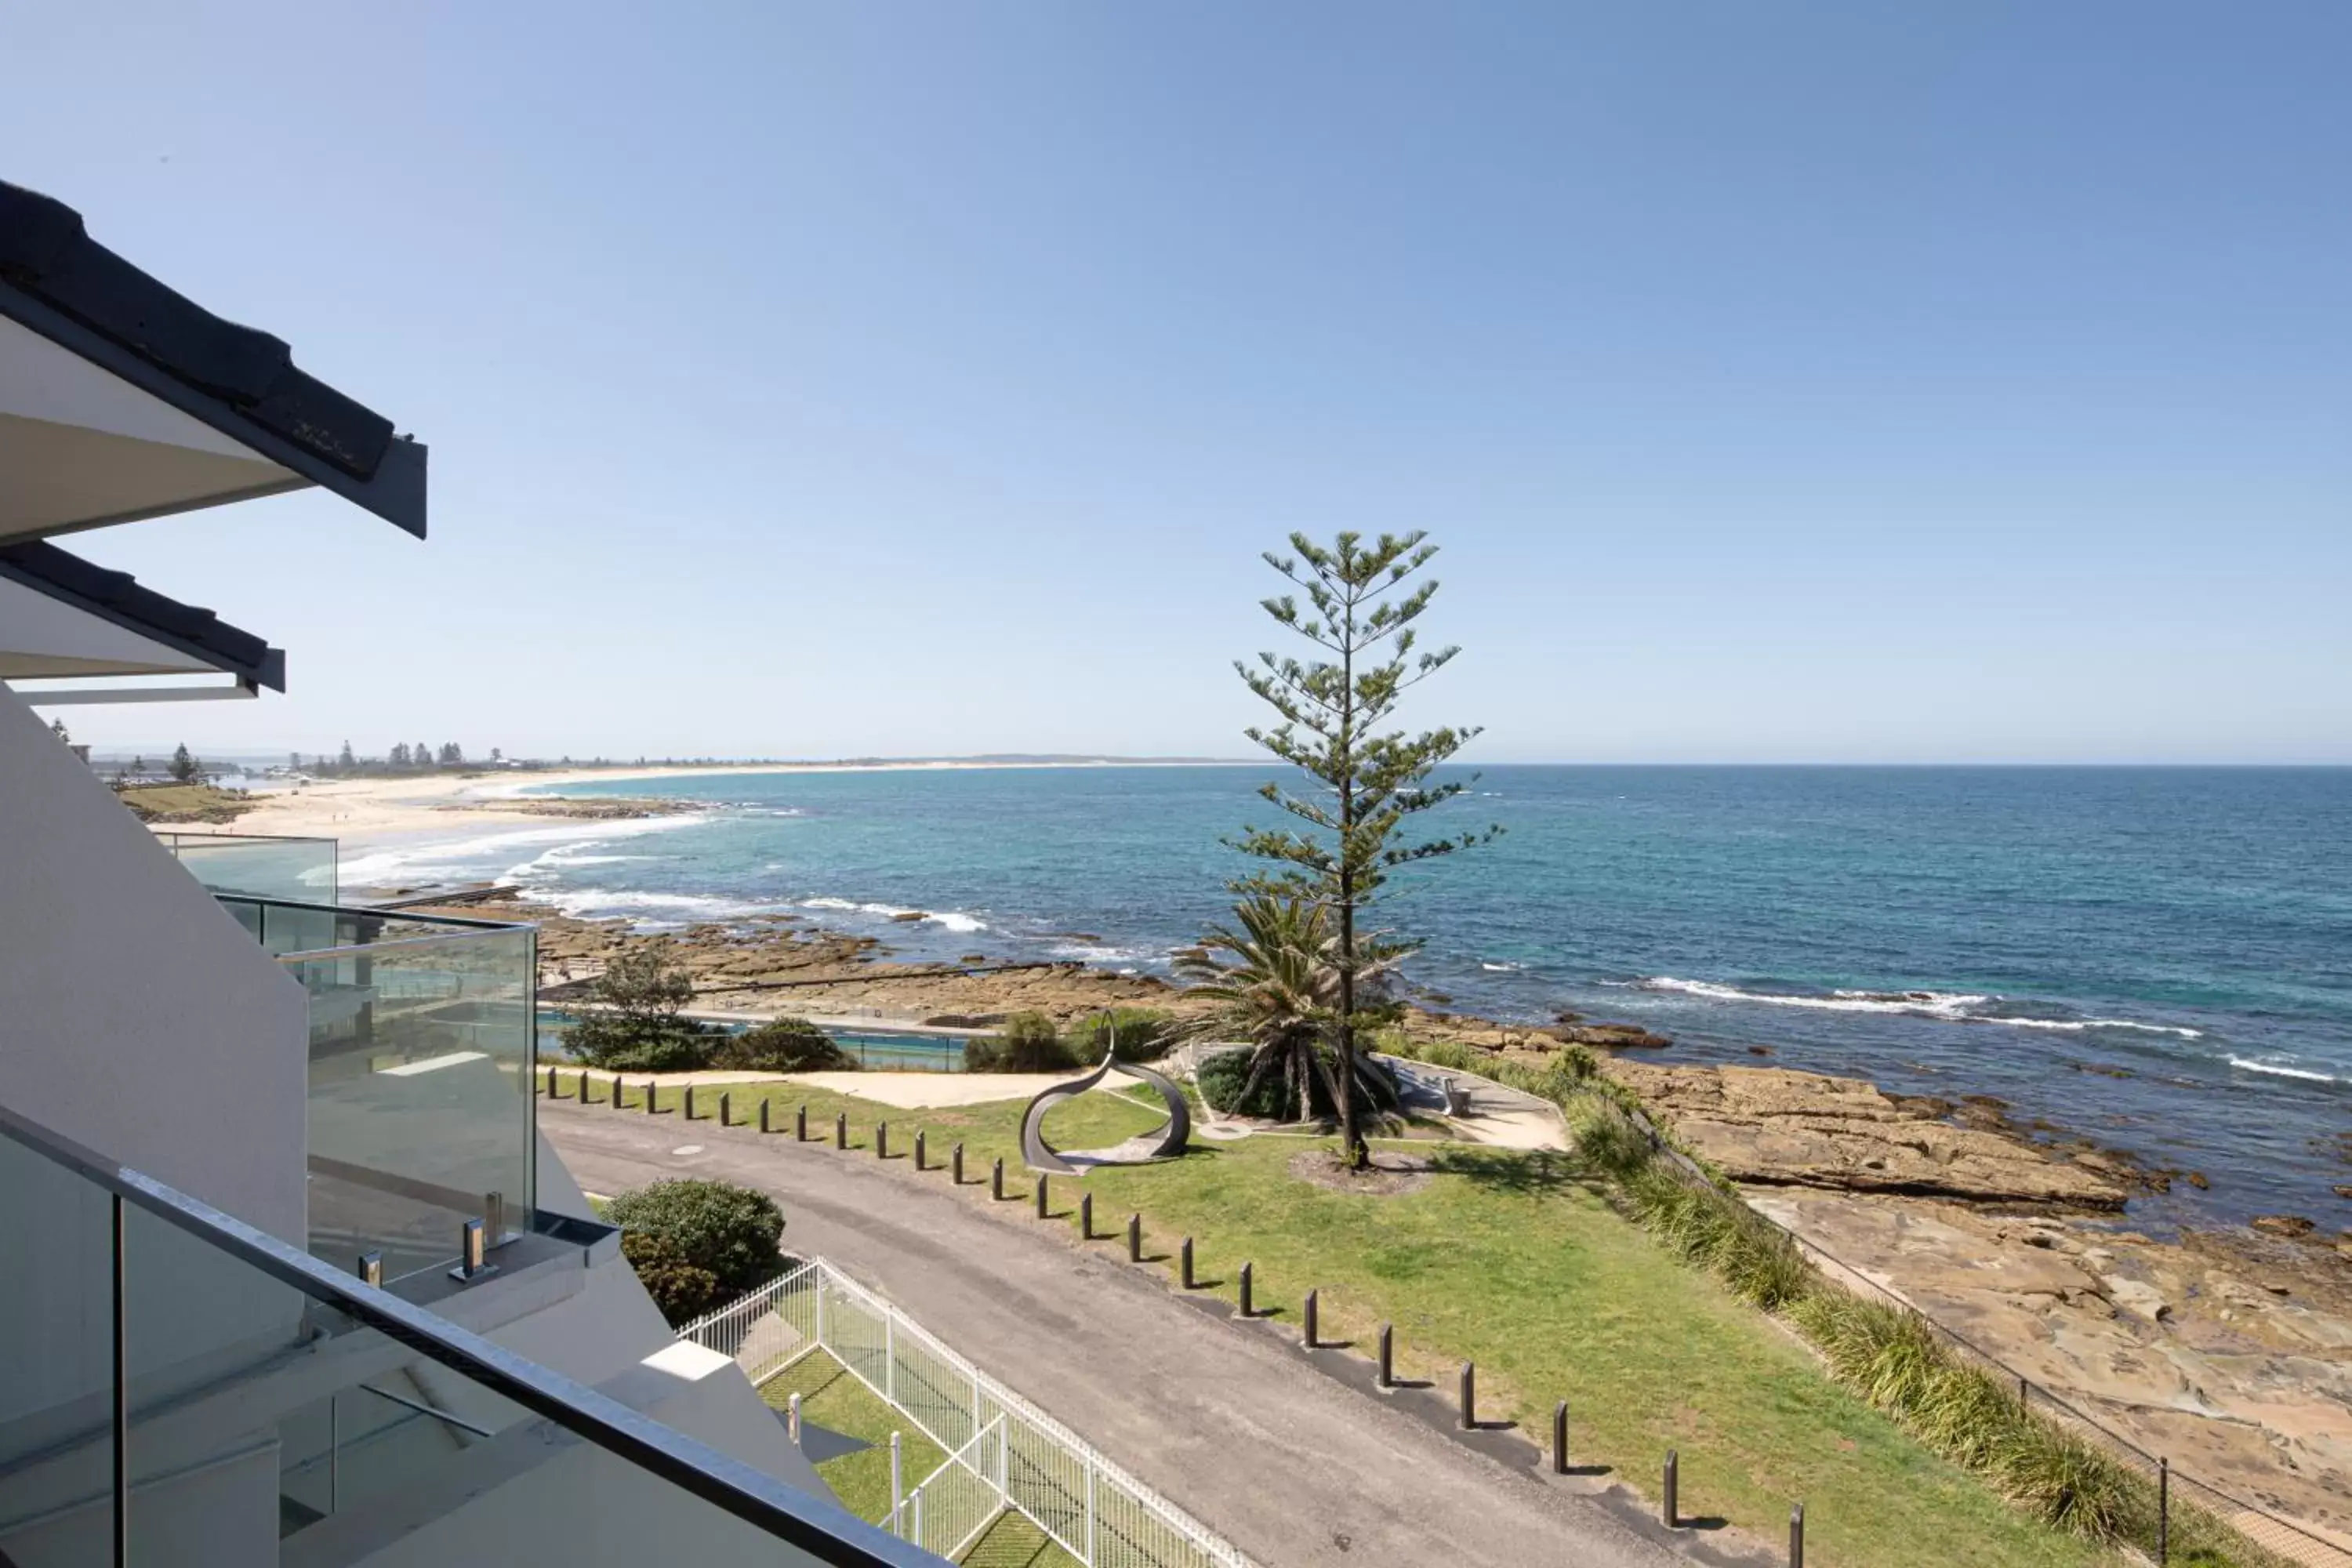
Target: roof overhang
point(62, 618)
point(122, 400)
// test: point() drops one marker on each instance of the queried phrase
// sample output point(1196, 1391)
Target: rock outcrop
point(1776, 1127)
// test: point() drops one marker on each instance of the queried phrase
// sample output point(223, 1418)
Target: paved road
point(1289, 1463)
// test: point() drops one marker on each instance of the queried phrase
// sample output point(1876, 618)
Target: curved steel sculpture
point(1040, 1155)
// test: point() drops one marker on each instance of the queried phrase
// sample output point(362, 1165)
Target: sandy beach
point(364, 812)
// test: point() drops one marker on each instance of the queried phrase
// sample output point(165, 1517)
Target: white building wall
point(136, 1015)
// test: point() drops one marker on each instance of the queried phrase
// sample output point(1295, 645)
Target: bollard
point(765, 1106)
point(551, 1083)
point(1306, 1336)
point(881, 1139)
point(800, 1125)
point(841, 1130)
point(586, 1084)
point(919, 1165)
point(726, 1107)
point(1134, 1238)
point(1667, 1510)
point(690, 1102)
point(2163, 1512)
point(1087, 1217)
point(1469, 1396)
point(1184, 1257)
point(1248, 1310)
point(996, 1180)
point(793, 1419)
point(653, 1093)
point(1559, 1438)
point(1040, 1197)
point(1388, 1357)
point(1797, 1535)
point(955, 1166)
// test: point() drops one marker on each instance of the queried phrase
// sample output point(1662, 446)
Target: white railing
point(954, 1505)
point(1032, 1463)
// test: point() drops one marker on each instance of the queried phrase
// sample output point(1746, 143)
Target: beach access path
point(1229, 1421)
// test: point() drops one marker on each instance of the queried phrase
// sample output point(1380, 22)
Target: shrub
point(636, 1026)
point(781, 1044)
point(1220, 1078)
point(683, 1291)
point(1143, 1035)
point(729, 1232)
point(1028, 1042)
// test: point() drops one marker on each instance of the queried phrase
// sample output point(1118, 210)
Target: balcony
point(423, 1039)
point(257, 865)
point(179, 1388)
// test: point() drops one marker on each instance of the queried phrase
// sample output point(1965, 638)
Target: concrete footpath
point(1270, 1448)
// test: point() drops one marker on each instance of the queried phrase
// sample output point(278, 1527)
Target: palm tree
point(1276, 982)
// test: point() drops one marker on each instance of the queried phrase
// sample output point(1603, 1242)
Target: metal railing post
point(822, 1282)
point(898, 1496)
point(793, 1419)
point(1090, 1512)
point(891, 1359)
point(2163, 1512)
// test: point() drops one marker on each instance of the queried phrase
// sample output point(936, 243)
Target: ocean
point(2160, 959)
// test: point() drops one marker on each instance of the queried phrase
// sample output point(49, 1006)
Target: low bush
point(1028, 1042)
point(1141, 1033)
point(683, 1291)
point(781, 1044)
point(729, 1232)
point(1222, 1078)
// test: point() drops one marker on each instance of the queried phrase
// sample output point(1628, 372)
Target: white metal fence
point(1004, 1453)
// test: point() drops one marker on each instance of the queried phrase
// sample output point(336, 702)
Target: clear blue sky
point(1811, 382)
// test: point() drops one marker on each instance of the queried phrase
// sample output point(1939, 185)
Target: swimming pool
point(883, 1050)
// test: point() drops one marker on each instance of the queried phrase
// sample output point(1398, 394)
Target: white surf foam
point(2278, 1071)
point(1924, 1004)
point(420, 861)
point(2075, 1025)
point(1949, 1007)
point(950, 920)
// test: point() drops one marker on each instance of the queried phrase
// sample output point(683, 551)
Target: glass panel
point(57, 1365)
point(300, 869)
point(421, 1112)
point(265, 1426)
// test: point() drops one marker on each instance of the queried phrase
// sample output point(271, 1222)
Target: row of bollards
point(1310, 1335)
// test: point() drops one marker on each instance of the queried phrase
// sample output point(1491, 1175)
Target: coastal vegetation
point(637, 1023)
point(1366, 785)
point(1025, 1042)
point(695, 1244)
point(780, 1044)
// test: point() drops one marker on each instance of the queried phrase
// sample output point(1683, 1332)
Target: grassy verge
point(1519, 1262)
point(1886, 1354)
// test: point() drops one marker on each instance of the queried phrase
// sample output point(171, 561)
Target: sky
point(1830, 381)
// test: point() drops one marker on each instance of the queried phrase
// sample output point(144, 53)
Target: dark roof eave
point(117, 598)
point(58, 281)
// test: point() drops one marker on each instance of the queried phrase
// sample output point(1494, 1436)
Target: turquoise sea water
point(2028, 933)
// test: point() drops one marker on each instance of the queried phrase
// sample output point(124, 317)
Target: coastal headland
point(2228, 1350)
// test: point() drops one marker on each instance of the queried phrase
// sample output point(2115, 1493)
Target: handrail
point(805, 1520)
point(368, 912)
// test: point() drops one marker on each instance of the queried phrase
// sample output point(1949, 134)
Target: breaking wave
point(1947, 1006)
point(2278, 1069)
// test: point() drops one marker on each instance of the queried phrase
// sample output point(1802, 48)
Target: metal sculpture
point(1041, 1155)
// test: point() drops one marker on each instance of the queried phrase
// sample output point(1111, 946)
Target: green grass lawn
point(831, 1397)
point(1514, 1261)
